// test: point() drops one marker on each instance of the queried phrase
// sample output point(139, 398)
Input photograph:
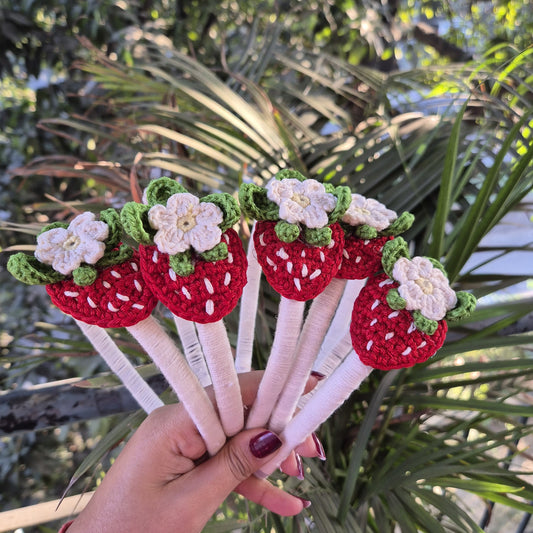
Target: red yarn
point(361, 257)
point(118, 298)
point(205, 296)
point(297, 270)
point(387, 339)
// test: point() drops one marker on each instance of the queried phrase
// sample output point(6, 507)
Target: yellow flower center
point(300, 199)
point(363, 211)
point(71, 243)
point(425, 285)
point(187, 222)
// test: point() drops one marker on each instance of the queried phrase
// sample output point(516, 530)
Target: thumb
point(240, 457)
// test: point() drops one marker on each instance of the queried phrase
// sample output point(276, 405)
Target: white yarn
point(121, 366)
point(217, 349)
point(336, 390)
point(172, 363)
point(290, 316)
point(192, 350)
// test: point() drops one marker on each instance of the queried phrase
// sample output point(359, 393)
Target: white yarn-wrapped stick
point(248, 311)
point(335, 391)
point(121, 366)
point(315, 326)
point(289, 323)
point(173, 365)
point(192, 349)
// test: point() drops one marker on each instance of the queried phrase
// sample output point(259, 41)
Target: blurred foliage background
point(423, 105)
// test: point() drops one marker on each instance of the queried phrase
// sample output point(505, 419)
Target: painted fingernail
point(305, 503)
point(319, 448)
point(264, 444)
point(300, 467)
point(318, 375)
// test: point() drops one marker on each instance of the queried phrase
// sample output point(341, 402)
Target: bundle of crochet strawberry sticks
point(335, 254)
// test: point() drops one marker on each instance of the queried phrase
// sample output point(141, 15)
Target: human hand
point(159, 484)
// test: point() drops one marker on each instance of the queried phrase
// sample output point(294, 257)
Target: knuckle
point(237, 463)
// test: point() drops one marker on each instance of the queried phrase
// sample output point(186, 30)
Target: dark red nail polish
point(318, 375)
point(319, 448)
point(264, 444)
point(300, 467)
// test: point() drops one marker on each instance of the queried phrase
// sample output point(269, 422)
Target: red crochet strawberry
point(367, 226)
point(88, 275)
point(297, 239)
point(190, 257)
point(399, 318)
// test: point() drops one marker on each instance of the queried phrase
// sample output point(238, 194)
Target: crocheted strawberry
point(87, 273)
point(190, 257)
point(367, 226)
point(297, 239)
point(399, 318)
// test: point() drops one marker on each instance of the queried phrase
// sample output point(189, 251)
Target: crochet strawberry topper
point(298, 243)
point(368, 225)
point(194, 262)
point(97, 280)
point(399, 318)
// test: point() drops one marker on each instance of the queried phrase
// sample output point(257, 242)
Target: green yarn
point(112, 218)
point(182, 264)
point(161, 189)
point(400, 225)
point(366, 232)
point(229, 207)
point(395, 301)
point(289, 173)
point(54, 225)
point(344, 199)
point(115, 256)
point(255, 204)
point(31, 271)
point(286, 231)
point(466, 304)
point(437, 265)
point(317, 236)
point(84, 275)
point(134, 217)
point(423, 324)
point(218, 253)
point(392, 251)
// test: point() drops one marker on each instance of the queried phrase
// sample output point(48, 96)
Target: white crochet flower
point(424, 287)
point(368, 211)
point(186, 222)
point(305, 202)
point(66, 248)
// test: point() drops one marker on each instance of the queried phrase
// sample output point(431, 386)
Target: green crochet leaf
point(438, 265)
point(392, 251)
point(395, 301)
point(31, 271)
point(54, 225)
point(366, 232)
point(134, 217)
point(317, 236)
point(400, 225)
point(116, 256)
point(229, 207)
point(289, 173)
point(182, 264)
point(423, 324)
point(286, 231)
point(466, 303)
point(344, 199)
point(161, 189)
point(255, 204)
point(218, 253)
point(112, 218)
point(84, 275)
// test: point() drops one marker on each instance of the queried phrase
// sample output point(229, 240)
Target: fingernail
point(319, 448)
point(305, 503)
point(318, 375)
point(264, 444)
point(300, 467)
